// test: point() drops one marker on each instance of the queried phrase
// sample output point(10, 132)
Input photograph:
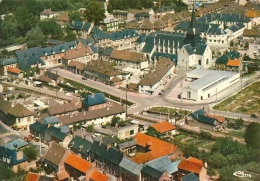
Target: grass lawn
point(180, 137)
point(245, 102)
point(255, 169)
point(239, 134)
point(246, 166)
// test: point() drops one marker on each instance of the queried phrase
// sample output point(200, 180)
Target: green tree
point(31, 152)
point(247, 44)
point(6, 172)
point(74, 16)
point(90, 128)
point(51, 28)
point(69, 35)
point(95, 12)
point(217, 160)
point(226, 174)
point(252, 136)
point(152, 132)
point(115, 120)
point(238, 123)
point(35, 37)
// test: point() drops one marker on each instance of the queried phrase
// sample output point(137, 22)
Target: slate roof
point(78, 163)
point(108, 140)
point(50, 120)
point(15, 144)
point(78, 144)
point(228, 56)
point(172, 57)
point(98, 176)
point(96, 99)
point(216, 31)
point(113, 155)
point(127, 144)
point(190, 177)
point(131, 167)
point(53, 41)
point(9, 61)
point(19, 111)
point(51, 75)
point(200, 49)
point(152, 172)
point(189, 49)
point(63, 108)
point(55, 132)
point(163, 127)
point(227, 17)
point(88, 41)
point(55, 154)
point(38, 127)
point(184, 26)
point(107, 51)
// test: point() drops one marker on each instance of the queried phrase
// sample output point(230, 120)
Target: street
point(145, 101)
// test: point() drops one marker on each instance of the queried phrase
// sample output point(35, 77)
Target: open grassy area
point(245, 102)
point(255, 169)
point(237, 134)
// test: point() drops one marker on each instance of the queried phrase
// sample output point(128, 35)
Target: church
point(187, 51)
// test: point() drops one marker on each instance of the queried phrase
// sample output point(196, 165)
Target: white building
point(47, 14)
point(206, 83)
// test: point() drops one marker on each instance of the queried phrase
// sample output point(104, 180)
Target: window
point(189, 94)
point(207, 61)
point(28, 119)
point(19, 120)
point(132, 132)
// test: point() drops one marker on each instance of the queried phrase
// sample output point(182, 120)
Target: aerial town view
point(129, 90)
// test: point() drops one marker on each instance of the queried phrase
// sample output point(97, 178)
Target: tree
point(152, 132)
point(69, 35)
point(252, 136)
point(95, 12)
point(31, 152)
point(90, 128)
point(115, 120)
point(35, 37)
point(51, 28)
point(6, 172)
point(74, 16)
point(247, 44)
point(238, 123)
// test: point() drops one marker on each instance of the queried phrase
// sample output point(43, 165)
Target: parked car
point(84, 78)
point(253, 116)
point(161, 92)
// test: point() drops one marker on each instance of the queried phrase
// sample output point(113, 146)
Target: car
point(84, 78)
point(161, 92)
point(253, 116)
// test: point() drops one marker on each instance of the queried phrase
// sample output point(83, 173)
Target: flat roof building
point(206, 83)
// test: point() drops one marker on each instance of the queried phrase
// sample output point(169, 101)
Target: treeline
point(178, 5)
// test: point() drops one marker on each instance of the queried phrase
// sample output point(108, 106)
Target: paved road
point(145, 101)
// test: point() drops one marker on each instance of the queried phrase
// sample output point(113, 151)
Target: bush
point(205, 135)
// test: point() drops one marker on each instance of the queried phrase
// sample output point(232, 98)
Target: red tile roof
point(97, 176)
point(252, 14)
point(158, 148)
point(234, 63)
point(13, 70)
point(32, 177)
point(191, 165)
point(163, 127)
point(78, 163)
point(77, 53)
point(220, 119)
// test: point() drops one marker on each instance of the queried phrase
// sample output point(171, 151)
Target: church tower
point(193, 33)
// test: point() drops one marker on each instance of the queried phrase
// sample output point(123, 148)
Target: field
point(245, 102)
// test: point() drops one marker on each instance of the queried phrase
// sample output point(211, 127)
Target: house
point(80, 147)
point(105, 54)
point(254, 16)
point(110, 24)
point(62, 20)
point(216, 34)
point(98, 176)
point(234, 65)
point(46, 80)
point(103, 72)
point(81, 54)
point(5, 107)
point(214, 122)
point(128, 148)
point(129, 59)
point(47, 14)
point(156, 77)
point(163, 10)
point(130, 170)
point(150, 148)
point(149, 173)
point(106, 158)
point(76, 166)
point(96, 117)
point(221, 62)
point(55, 157)
point(15, 73)
point(54, 134)
point(146, 25)
point(192, 165)
point(51, 121)
point(37, 130)
point(57, 78)
point(94, 101)
point(60, 110)
point(165, 168)
point(7, 63)
point(164, 128)
point(20, 117)
point(12, 154)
